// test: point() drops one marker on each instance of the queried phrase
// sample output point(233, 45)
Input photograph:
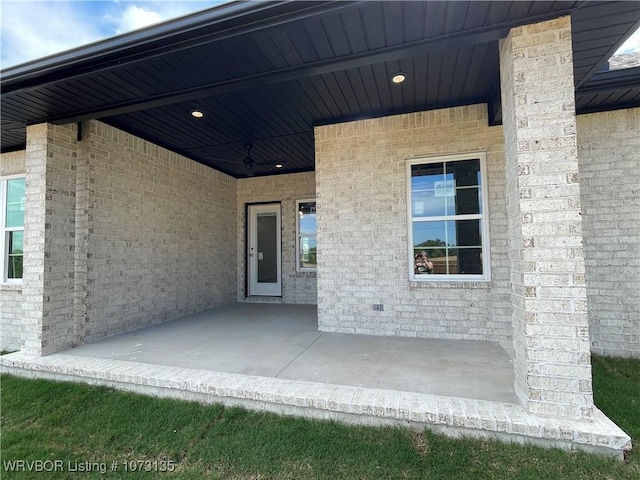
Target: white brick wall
point(297, 287)
point(10, 317)
point(119, 234)
point(160, 238)
point(609, 163)
point(362, 229)
point(12, 163)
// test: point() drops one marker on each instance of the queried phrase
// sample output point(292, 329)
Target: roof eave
point(230, 19)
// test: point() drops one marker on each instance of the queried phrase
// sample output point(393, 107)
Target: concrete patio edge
point(357, 405)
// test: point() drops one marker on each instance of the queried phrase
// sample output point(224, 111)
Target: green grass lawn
point(76, 424)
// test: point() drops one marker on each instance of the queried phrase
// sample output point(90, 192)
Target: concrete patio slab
point(375, 391)
point(283, 341)
point(250, 339)
point(452, 368)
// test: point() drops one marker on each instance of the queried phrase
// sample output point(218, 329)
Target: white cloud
point(140, 14)
point(34, 29)
point(134, 17)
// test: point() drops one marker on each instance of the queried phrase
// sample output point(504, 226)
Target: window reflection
point(307, 217)
point(16, 254)
point(442, 193)
point(307, 225)
point(15, 202)
point(440, 189)
point(453, 247)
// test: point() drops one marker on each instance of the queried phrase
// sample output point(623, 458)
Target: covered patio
point(272, 357)
point(142, 194)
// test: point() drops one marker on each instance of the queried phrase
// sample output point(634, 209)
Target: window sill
point(11, 287)
point(416, 285)
point(307, 273)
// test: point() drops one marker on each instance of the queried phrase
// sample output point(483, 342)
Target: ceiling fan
point(249, 162)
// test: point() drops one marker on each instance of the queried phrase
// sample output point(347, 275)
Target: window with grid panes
point(448, 223)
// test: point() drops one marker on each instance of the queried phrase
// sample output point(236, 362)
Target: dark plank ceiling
point(268, 73)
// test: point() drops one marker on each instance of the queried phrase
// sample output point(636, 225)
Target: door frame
point(252, 288)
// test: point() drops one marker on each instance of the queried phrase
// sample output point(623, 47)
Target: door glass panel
point(267, 241)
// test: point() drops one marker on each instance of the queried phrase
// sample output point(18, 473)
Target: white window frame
point(484, 220)
point(4, 230)
point(300, 268)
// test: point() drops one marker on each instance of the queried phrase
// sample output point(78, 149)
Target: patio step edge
point(259, 299)
point(452, 416)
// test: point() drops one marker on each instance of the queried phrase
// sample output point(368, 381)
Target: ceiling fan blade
point(248, 161)
point(243, 162)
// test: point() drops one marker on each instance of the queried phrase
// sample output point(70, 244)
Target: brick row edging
point(456, 417)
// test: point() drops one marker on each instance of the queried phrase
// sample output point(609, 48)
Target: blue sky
point(33, 29)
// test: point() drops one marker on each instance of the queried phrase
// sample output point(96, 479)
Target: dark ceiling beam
point(494, 109)
point(607, 108)
point(444, 42)
point(253, 139)
point(284, 75)
point(169, 37)
point(598, 66)
point(611, 80)
point(494, 101)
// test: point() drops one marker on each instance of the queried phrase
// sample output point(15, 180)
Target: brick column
point(49, 238)
point(551, 334)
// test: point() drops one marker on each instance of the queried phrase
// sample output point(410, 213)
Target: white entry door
point(264, 255)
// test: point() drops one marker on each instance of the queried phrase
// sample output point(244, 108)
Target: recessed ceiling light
point(279, 165)
point(398, 78)
point(197, 114)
